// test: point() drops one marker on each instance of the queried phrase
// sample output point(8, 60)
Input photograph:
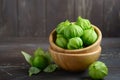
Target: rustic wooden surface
point(32, 18)
point(89, 9)
point(14, 67)
point(112, 17)
point(36, 18)
point(57, 11)
point(8, 22)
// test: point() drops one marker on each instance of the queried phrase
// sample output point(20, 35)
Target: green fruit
point(61, 26)
point(40, 62)
point(72, 30)
point(75, 43)
point(83, 23)
point(89, 37)
point(61, 41)
point(98, 70)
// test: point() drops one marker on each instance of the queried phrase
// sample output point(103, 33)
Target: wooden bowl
point(90, 48)
point(75, 62)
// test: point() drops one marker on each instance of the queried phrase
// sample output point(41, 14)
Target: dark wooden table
point(14, 67)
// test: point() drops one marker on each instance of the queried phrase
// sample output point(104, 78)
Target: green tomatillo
point(73, 30)
point(75, 43)
point(98, 70)
point(89, 36)
point(60, 27)
point(40, 62)
point(61, 41)
point(83, 23)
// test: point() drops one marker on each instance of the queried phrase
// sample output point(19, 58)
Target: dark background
point(37, 18)
point(26, 24)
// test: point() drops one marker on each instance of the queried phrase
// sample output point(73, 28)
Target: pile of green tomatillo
point(75, 35)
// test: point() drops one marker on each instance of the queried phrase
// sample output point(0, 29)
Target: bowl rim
point(86, 54)
point(97, 30)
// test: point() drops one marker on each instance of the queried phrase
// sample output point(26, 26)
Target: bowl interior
point(52, 39)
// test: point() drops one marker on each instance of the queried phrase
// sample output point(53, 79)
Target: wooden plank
point(0, 13)
point(57, 11)
point(14, 66)
point(31, 14)
point(8, 25)
point(92, 10)
point(112, 17)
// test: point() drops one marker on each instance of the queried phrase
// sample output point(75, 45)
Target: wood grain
point(57, 11)
point(37, 18)
point(112, 18)
point(31, 17)
point(8, 26)
point(14, 67)
point(92, 10)
point(83, 8)
point(0, 13)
